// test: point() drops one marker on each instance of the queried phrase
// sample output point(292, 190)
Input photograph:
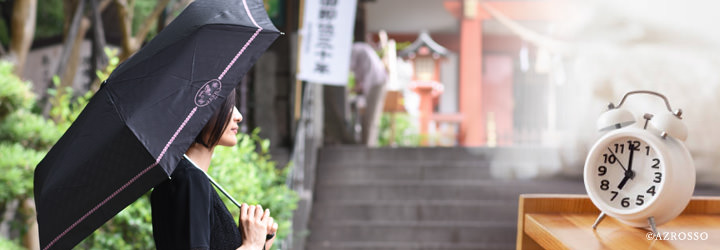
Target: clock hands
point(629, 174)
point(618, 161)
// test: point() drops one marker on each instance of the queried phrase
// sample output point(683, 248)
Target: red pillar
point(426, 110)
point(472, 127)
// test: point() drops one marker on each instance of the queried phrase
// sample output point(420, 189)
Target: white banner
point(326, 40)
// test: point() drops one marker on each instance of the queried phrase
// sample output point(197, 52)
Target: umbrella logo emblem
point(208, 93)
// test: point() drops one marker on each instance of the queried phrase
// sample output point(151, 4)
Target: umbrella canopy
point(135, 129)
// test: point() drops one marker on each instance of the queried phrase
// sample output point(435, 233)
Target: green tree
point(25, 137)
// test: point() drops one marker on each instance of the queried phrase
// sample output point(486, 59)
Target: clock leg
point(651, 221)
point(598, 220)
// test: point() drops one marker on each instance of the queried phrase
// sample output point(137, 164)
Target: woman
point(187, 211)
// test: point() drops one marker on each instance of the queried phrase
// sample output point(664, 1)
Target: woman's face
point(229, 136)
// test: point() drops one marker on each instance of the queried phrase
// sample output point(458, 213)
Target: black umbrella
point(134, 131)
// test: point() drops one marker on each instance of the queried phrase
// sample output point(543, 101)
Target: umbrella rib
point(247, 10)
point(239, 53)
point(249, 41)
point(126, 184)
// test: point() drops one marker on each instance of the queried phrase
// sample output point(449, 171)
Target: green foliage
point(24, 137)
point(49, 19)
point(113, 62)
point(66, 110)
point(6, 244)
point(15, 93)
point(29, 130)
point(402, 45)
point(250, 176)
point(129, 229)
point(406, 133)
point(17, 165)
point(142, 9)
point(4, 33)
point(273, 8)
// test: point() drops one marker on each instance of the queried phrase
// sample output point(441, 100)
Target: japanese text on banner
point(326, 41)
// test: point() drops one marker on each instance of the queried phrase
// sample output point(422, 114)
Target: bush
point(6, 244)
point(15, 93)
point(407, 134)
point(250, 176)
point(17, 166)
point(24, 137)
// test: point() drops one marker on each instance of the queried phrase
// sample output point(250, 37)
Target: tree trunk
point(126, 28)
point(71, 35)
point(99, 59)
point(129, 43)
point(68, 76)
point(149, 20)
point(7, 217)
point(22, 31)
point(31, 240)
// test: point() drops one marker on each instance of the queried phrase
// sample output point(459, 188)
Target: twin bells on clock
point(669, 124)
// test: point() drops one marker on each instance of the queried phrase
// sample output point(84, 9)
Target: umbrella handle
point(267, 237)
point(222, 190)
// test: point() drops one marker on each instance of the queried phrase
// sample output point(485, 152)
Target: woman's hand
point(254, 226)
point(272, 228)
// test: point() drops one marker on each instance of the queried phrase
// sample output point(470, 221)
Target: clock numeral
point(625, 202)
point(634, 145)
point(647, 150)
point(604, 184)
point(657, 163)
point(658, 177)
point(651, 190)
point(602, 170)
point(621, 148)
point(615, 193)
point(609, 158)
point(639, 200)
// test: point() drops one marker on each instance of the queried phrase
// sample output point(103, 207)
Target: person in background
point(370, 77)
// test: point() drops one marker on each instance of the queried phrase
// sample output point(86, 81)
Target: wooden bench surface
point(565, 222)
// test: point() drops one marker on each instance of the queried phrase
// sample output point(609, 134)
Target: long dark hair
point(215, 129)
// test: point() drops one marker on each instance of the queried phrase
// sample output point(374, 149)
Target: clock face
point(625, 173)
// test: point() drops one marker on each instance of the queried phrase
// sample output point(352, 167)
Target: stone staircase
point(418, 198)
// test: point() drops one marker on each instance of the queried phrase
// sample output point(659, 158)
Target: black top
point(187, 213)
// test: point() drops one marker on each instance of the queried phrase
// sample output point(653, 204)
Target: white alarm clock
point(640, 175)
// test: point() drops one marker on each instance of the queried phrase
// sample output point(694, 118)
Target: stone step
point(421, 232)
point(460, 211)
point(403, 171)
point(361, 154)
point(361, 245)
point(372, 191)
